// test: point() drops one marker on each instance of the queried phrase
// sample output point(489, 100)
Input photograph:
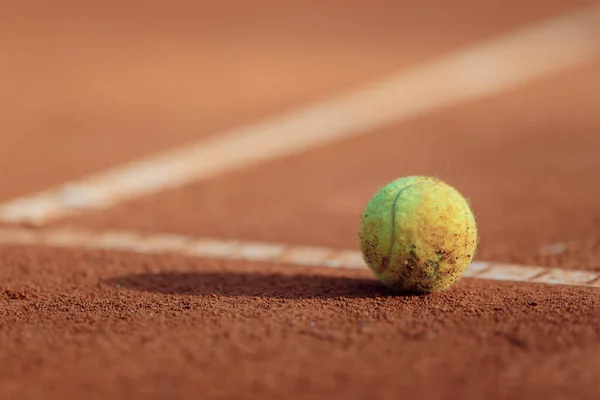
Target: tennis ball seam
point(388, 258)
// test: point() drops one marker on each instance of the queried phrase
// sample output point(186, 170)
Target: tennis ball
point(418, 234)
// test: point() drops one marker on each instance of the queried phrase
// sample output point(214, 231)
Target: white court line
point(490, 67)
point(270, 252)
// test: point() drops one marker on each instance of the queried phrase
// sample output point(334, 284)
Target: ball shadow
point(254, 285)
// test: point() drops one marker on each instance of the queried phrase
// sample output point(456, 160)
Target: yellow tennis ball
point(418, 234)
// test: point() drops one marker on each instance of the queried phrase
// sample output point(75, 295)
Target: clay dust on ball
point(418, 234)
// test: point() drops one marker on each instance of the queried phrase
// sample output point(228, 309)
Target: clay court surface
point(182, 185)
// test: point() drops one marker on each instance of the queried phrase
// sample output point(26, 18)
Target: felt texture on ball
point(418, 234)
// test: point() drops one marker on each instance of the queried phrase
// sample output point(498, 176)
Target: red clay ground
point(92, 87)
point(101, 325)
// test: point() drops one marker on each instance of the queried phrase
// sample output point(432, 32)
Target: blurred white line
point(490, 67)
point(268, 252)
point(508, 272)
